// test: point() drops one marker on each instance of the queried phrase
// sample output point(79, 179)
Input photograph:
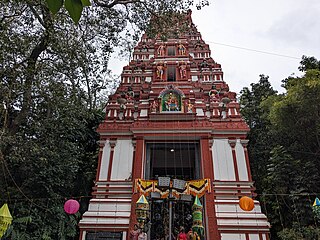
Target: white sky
point(284, 27)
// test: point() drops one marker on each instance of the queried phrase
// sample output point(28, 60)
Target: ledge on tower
point(172, 116)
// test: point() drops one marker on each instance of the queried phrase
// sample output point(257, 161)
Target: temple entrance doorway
point(181, 217)
point(177, 160)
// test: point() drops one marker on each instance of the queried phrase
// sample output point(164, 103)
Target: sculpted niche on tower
point(171, 100)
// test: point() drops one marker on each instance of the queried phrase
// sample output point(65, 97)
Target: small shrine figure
point(172, 103)
point(193, 235)
point(161, 50)
point(214, 94)
point(144, 48)
point(154, 106)
point(129, 94)
point(190, 107)
point(181, 49)
point(203, 64)
point(183, 70)
point(134, 233)
point(160, 70)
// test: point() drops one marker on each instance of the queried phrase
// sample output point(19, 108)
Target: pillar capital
point(211, 141)
point(244, 142)
point(232, 142)
point(112, 143)
point(101, 143)
point(134, 143)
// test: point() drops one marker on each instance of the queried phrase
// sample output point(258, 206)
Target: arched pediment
point(173, 89)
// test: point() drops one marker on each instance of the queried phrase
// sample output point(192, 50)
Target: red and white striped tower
point(173, 92)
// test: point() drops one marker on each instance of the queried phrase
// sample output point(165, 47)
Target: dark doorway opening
point(171, 74)
point(173, 159)
point(171, 51)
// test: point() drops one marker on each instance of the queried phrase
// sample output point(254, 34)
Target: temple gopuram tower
point(173, 117)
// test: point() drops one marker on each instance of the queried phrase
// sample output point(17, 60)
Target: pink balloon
point(71, 206)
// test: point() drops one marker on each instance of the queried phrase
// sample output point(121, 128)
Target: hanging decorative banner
point(198, 187)
point(316, 202)
point(193, 187)
point(5, 219)
point(316, 208)
point(144, 186)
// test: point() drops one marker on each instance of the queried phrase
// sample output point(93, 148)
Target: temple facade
point(173, 115)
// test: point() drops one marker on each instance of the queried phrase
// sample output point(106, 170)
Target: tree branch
point(114, 3)
point(31, 70)
point(35, 13)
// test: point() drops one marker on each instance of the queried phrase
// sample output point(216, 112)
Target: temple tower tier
point(173, 117)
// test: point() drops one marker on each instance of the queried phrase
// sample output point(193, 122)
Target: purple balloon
point(71, 206)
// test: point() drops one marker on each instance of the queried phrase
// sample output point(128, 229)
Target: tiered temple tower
point(173, 115)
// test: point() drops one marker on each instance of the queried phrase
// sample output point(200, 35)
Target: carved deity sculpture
point(161, 50)
point(183, 70)
point(181, 49)
point(171, 103)
point(160, 70)
point(154, 106)
point(190, 107)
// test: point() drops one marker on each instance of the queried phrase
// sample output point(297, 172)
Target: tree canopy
point(285, 151)
point(54, 83)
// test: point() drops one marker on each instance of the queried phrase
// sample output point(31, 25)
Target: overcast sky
point(281, 27)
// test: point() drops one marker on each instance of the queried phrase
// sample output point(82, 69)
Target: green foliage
point(74, 8)
point(158, 9)
point(54, 5)
point(316, 212)
point(308, 63)
point(290, 234)
point(85, 3)
point(304, 233)
point(299, 110)
point(280, 170)
point(250, 101)
point(256, 116)
point(284, 150)
point(53, 156)
point(54, 83)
